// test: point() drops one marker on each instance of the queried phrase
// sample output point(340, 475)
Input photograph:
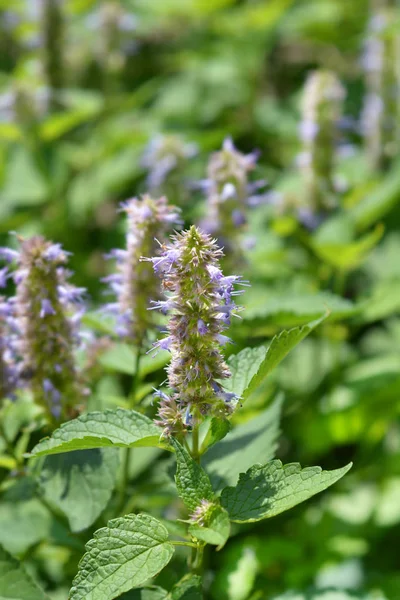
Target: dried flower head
point(200, 304)
point(135, 283)
point(322, 108)
point(46, 312)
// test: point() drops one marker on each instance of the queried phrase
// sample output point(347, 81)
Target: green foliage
point(80, 484)
point(15, 583)
point(252, 365)
point(266, 491)
point(192, 481)
point(123, 555)
point(254, 441)
point(217, 529)
point(119, 427)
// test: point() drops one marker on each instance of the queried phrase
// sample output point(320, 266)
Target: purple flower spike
point(201, 306)
point(134, 284)
point(44, 322)
point(229, 194)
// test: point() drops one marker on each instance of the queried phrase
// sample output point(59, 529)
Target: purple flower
point(200, 296)
point(229, 192)
point(134, 284)
point(45, 325)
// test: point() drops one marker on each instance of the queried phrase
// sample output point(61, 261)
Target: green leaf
point(217, 529)
point(218, 429)
point(122, 358)
point(80, 483)
point(192, 481)
point(348, 256)
point(123, 555)
point(149, 593)
point(252, 442)
point(380, 201)
point(120, 427)
point(331, 594)
point(15, 583)
point(266, 491)
point(293, 309)
point(249, 370)
point(188, 588)
point(24, 521)
point(244, 367)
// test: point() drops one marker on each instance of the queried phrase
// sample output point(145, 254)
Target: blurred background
point(104, 100)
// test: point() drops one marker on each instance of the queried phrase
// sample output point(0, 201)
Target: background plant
point(89, 91)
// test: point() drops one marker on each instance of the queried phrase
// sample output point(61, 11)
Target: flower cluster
point(322, 109)
point(380, 115)
point(165, 159)
point(135, 283)
point(45, 314)
point(199, 299)
point(8, 370)
point(229, 194)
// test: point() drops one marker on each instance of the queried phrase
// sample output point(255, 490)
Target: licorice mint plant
point(224, 475)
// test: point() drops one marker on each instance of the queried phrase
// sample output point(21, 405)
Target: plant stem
point(128, 451)
point(195, 439)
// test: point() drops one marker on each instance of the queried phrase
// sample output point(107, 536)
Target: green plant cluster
point(104, 506)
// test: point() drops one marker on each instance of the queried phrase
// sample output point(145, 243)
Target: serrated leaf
point(120, 427)
point(252, 442)
point(217, 529)
point(192, 481)
point(266, 491)
point(249, 370)
point(15, 583)
point(80, 483)
point(123, 555)
point(218, 429)
point(188, 588)
point(244, 367)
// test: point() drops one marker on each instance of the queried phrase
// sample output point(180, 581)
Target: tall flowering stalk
point(52, 33)
point(322, 108)
point(46, 312)
point(165, 159)
point(199, 300)
point(135, 283)
point(229, 194)
point(381, 63)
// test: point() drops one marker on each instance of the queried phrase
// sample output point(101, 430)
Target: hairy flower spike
point(134, 283)
point(381, 62)
point(200, 303)
point(322, 109)
point(229, 195)
point(46, 316)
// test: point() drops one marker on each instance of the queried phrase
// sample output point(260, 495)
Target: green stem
point(195, 439)
point(127, 452)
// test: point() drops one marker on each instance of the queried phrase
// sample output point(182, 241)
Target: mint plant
point(223, 476)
